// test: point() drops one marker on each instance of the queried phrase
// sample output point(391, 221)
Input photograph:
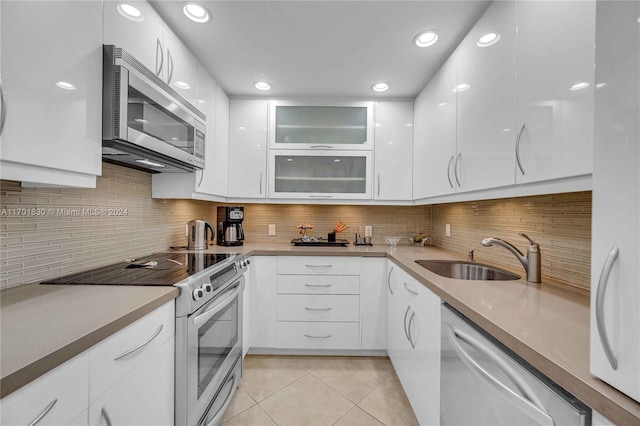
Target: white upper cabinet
point(138, 29)
point(555, 89)
point(181, 67)
point(248, 148)
point(52, 81)
point(486, 101)
point(615, 266)
point(315, 125)
point(435, 134)
point(221, 151)
point(207, 98)
point(393, 151)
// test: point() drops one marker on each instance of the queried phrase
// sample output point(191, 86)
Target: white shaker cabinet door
point(393, 160)
point(138, 29)
point(52, 80)
point(555, 89)
point(248, 148)
point(486, 101)
point(435, 134)
point(615, 263)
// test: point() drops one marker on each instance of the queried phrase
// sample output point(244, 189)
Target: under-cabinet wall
point(131, 223)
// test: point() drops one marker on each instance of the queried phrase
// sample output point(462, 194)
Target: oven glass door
point(215, 343)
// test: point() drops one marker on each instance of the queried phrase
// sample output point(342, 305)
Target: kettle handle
point(207, 225)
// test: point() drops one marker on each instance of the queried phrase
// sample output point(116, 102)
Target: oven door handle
point(235, 381)
point(206, 315)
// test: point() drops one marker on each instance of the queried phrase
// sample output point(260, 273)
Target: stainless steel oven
point(209, 357)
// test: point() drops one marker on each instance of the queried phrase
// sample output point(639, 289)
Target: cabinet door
point(435, 134)
point(393, 151)
point(264, 288)
point(248, 148)
point(320, 174)
point(205, 179)
point(57, 397)
point(181, 67)
point(317, 125)
point(221, 161)
point(145, 396)
point(555, 89)
point(373, 303)
point(141, 36)
point(246, 311)
point(616, 199)
point(397, 342)
point(49, 124)
point(486, 101)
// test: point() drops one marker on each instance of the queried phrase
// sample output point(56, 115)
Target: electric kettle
point(197, 234)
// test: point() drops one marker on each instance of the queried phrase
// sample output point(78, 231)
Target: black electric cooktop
point(161, 269)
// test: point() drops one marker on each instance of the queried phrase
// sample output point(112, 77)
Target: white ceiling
point(323, 48)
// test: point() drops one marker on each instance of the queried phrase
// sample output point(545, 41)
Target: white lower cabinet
point(413, 338)
point(373, 303)
point(246, 311)
point(264, 290)
point(57, 398)
point(130, 375)
point(143, 397)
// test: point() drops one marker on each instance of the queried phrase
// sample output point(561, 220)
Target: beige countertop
point(42, 326)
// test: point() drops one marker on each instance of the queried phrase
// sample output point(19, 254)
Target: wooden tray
point(320, 243)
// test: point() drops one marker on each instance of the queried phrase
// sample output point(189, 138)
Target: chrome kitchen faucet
point(531, 262)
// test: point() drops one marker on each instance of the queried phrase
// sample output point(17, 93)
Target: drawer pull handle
point(406, 287)
point(317, 266)
point(318, 337)
point(106, 417)
point(318, 285)
point(318, 309)
point(44, 413)
point(141, 345)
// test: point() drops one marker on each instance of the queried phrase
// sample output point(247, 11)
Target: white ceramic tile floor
point(315, 390)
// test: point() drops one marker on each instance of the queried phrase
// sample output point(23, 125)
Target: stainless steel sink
point(461, 270)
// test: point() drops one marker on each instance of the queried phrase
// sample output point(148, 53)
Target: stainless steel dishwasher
point(484, 383)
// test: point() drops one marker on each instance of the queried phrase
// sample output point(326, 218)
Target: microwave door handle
point(209, 313)
point(529, 404)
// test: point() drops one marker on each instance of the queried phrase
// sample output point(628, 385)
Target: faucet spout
point(531, 262)
point(488, 242)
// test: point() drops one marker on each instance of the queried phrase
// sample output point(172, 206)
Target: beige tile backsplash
point(34, 248)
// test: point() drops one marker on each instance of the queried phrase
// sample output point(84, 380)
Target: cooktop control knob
point(198, 294)
point(208, 288)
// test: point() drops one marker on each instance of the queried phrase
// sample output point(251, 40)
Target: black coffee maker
point(230, 231)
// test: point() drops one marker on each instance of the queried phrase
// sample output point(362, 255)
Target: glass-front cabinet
point(322, 174)
point(296, 125)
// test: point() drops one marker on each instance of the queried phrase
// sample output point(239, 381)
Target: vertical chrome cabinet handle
point(44, 413)
point(141, 345)
point(449, 171)
point(529, 402)
point(389, 280)
point(406, 287)
point(411, 318)
point(160, 53)
point(169, 66)
point(199, 182)
point(3, 105)
point(406, 332)
point(518, 150)
point(106, 417)
point(260, 183)
point(455, 169)
point(600, 294)
point(378, 184)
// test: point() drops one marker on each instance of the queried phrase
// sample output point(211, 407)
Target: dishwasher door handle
point(530, 403)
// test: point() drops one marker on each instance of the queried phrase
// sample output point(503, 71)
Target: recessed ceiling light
point(462, 87)
point(150, 163)
point(196, 12)
point(488, 39)
point(579, 86)
point(426, 38)
point(262, 85)
point(181, 85)
point(66, 86)
point(130, 12)
point(380, 87)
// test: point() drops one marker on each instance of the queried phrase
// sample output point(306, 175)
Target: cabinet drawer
point(319, 335)
point(318, 284)
point(319, 265)
point(298, 307)
point(109, 365)
point(67, 385)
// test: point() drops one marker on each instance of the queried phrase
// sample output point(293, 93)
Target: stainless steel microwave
point(145, 123)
